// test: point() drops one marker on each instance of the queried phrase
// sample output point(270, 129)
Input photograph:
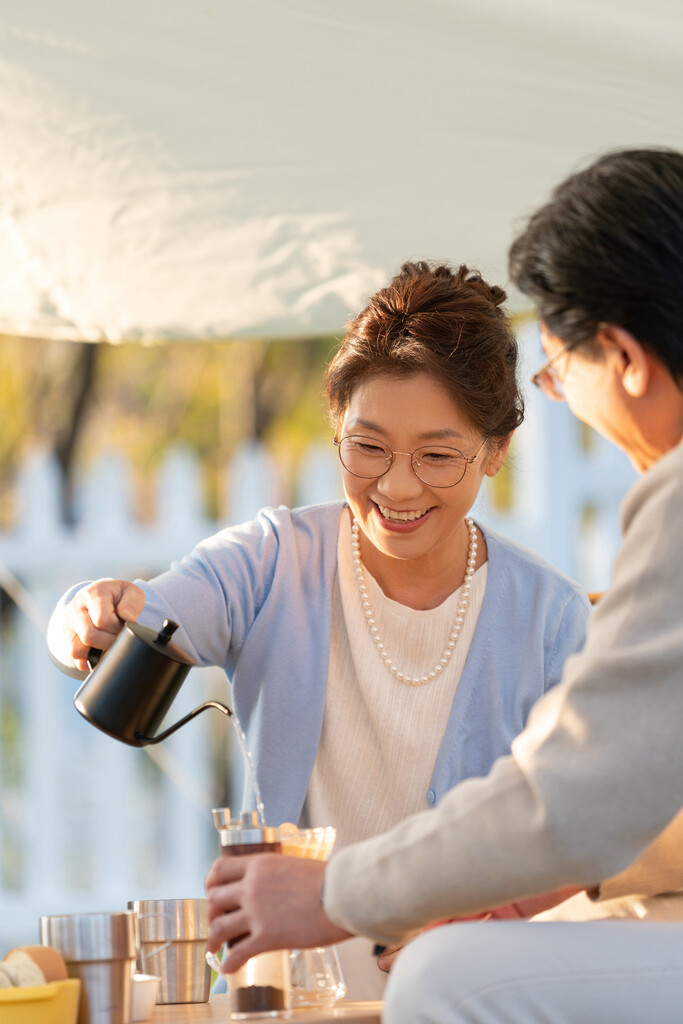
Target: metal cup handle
point(159, 949)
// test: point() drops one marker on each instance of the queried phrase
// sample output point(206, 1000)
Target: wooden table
point(217, 1010)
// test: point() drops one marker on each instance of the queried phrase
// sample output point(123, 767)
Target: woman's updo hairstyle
point(444, 322)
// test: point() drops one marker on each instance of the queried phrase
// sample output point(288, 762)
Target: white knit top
point(380, 737)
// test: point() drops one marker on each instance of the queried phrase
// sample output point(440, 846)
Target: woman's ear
point(496, 458)
point(632, 359)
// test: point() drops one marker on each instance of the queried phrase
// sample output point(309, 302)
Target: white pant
point(519, 972)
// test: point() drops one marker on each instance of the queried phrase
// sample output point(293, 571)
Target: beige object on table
point(22, 970)
point(48, 959)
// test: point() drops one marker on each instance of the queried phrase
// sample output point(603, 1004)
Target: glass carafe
point(316, 974)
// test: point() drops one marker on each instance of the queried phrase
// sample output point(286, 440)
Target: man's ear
point(632, 359)
point(497, 457)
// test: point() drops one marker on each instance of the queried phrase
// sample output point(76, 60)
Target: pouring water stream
point(246, 754)
point(212, 960)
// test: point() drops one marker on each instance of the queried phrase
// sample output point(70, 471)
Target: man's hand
point(267, 901)
point(94, 618)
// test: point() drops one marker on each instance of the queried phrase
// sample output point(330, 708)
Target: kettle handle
point(94, 655)
point(202, 707)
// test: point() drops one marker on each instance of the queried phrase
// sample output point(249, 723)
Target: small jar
point(261, 987)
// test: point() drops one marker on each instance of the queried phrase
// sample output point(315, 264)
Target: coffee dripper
point(130, 689)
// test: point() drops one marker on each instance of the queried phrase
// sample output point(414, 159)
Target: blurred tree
point(80, 399)
point(75, 412)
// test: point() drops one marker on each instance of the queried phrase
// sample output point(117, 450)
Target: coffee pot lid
point(160, 640)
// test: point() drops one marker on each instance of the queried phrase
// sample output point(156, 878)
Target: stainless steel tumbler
point(100, 950)
point(172, 944)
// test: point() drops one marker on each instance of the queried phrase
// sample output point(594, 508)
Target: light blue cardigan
point(256, 599)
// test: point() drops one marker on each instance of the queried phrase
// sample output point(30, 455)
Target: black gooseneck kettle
point(130, 690)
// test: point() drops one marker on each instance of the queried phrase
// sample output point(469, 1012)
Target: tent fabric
point(173, 169)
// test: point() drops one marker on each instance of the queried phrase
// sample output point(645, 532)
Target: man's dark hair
point(608, 248)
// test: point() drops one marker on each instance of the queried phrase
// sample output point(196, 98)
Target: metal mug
point(171, 936)
point(99, 949)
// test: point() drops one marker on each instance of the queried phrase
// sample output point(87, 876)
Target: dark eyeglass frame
point(548, 380)
point(466, 460)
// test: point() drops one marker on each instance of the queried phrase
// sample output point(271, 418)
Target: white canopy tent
point(174, 169)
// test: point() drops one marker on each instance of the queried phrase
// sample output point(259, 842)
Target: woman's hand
point(267, 901)
point(93, 618)
point(534, 905)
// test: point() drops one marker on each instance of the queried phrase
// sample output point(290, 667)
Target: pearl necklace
point(459, 615)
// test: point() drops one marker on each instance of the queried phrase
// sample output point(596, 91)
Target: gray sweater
point(596, 775)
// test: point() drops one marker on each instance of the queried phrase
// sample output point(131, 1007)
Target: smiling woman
point(384, 647)
point(412, 509)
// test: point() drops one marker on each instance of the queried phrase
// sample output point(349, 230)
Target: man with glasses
point(591, 792)
point(548, 379)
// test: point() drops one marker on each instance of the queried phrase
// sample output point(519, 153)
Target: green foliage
point(210, 396)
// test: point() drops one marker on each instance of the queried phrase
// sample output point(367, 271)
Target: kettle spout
point(144, 740)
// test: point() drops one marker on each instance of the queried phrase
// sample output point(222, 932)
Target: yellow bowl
point(53, 1003)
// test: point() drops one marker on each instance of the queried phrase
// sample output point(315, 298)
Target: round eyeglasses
point(370, 459)
point(548, 380)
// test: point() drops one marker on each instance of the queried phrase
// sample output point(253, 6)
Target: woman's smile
point(402, 520)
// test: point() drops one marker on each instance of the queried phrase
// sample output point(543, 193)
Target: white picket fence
point(87, 823)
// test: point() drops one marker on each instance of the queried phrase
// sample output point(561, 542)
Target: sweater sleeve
point(569, 638)
point(591, 781)
point(214, 592)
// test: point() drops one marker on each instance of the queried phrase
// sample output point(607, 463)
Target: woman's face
point(408, 413)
